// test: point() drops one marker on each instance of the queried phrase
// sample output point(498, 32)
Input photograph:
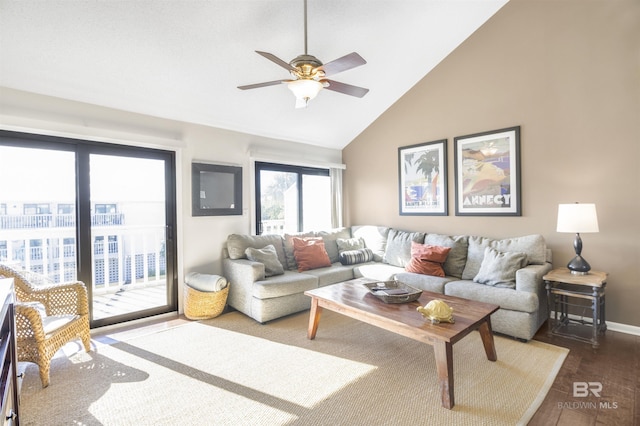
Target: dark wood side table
point(562, 287)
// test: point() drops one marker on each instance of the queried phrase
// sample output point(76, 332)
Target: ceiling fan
point(310, 74)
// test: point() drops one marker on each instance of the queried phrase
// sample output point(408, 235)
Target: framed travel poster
point(487, 173)
point(422, 171)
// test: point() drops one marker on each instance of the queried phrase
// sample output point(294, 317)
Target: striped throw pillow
point(351, 257)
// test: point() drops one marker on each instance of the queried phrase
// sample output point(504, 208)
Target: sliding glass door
point(99, 213)
point(128, 235)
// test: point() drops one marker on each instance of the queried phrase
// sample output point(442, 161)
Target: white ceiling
point(183, 59)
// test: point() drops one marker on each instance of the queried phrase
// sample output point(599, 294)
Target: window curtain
point(336, 197)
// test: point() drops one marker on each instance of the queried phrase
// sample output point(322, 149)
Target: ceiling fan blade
point(276, 60)
point(265, 84)
point(347, 89)
point(344, 63)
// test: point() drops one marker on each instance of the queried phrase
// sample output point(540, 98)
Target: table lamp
point(577, 218)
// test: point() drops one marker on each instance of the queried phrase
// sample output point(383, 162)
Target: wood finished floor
point(615, 364)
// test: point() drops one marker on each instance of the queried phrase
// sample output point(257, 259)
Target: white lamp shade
point(578, 218)
point(305, 89)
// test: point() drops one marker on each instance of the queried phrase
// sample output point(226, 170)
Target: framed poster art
point(422, 171)
point(487, 173)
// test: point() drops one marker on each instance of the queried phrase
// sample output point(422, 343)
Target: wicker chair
point(48, 316)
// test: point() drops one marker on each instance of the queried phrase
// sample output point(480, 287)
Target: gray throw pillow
point(499, 269)
point(349, 244)
point(375, 238)
point(292, 265)
point(268, 257)
point(331, 241)
point(457, 258)
point(398, 252)
point(237, 245)
point(533, 245)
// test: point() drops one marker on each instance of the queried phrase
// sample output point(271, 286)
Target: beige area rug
point(234, 371)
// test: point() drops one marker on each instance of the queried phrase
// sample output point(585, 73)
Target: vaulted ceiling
point(183, 59)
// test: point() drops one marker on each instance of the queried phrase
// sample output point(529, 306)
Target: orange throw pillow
point(310, 253)
point(427, 259)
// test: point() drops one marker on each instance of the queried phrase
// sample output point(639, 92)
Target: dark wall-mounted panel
point(216, 190)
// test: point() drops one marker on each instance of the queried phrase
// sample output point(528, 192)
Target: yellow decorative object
point(437, 311)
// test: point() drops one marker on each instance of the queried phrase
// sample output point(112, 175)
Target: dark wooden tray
point(393, 291)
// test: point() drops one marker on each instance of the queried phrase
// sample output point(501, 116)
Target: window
point(105, 208)
point(37, 209)
point(292, 198)
point(65, 208)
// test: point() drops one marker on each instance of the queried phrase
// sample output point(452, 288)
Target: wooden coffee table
point(353, 299)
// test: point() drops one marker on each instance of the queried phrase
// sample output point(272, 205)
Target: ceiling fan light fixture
point(309, 73)
point(305, 90)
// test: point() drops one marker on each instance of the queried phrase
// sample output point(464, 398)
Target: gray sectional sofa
point(259, 294)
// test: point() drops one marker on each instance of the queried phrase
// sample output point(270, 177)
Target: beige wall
point(568, 73)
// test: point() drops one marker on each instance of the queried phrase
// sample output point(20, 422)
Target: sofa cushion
point(457, 258)
point(398, 252)
point(283, 285)
point(499, 269)
point(237, 245)
point(310, 253)
point(268, 257)
point(348, 244)
point(533, 245)
point(287, 243)
point(375, 238)
point(352, 257)
point(427, 259)
point(424, 282)
point(376, 270)
point(505, 297)
point(334, 274)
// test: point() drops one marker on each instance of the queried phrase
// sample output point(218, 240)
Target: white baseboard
point(623, 328)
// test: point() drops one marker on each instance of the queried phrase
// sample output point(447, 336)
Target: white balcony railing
point(39, 221)
point(273, 227)
point(122, 256)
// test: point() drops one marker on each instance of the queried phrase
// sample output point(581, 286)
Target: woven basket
point(200, 305)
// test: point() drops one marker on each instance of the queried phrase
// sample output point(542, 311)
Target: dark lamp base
point(579, 266)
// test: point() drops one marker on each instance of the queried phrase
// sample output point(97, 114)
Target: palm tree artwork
point(425, 163)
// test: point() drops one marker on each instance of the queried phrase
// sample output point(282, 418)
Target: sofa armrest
point(242, 272)
point(529, 278)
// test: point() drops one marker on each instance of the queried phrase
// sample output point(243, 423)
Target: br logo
point(583, 389)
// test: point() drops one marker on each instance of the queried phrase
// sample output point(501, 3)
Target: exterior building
point(41, 237)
